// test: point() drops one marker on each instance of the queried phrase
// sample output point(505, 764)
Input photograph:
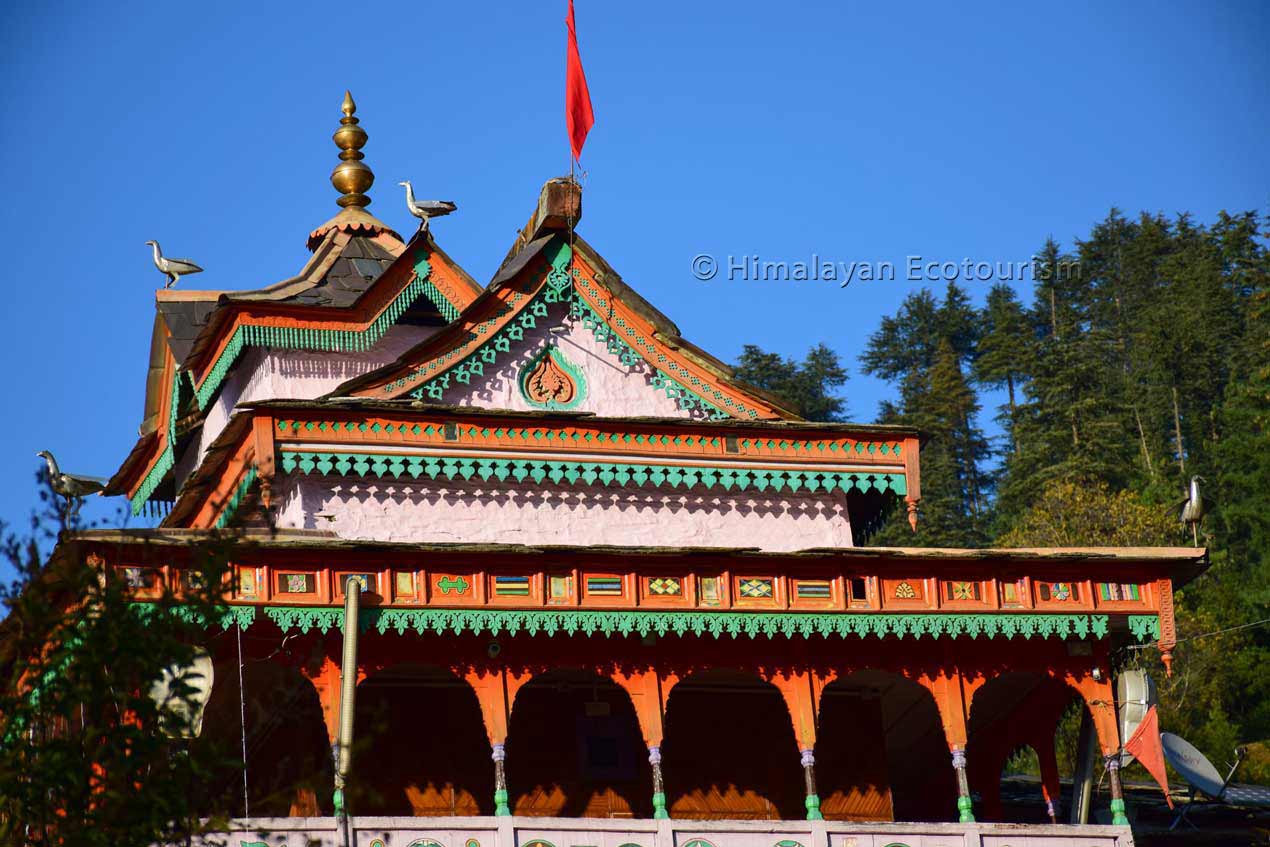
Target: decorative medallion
point(698, 842)
point(665, 586)
point(451, 584)
point(904, 591)
point(425, 842)
point(472, 842)
point(550, 381)
point(756, 588)
point(964, 591)
point(788, 843)
point(296, 583)
point(1058, 591)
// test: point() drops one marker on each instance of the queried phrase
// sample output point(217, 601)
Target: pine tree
point(1006, 346)
point(808, 387)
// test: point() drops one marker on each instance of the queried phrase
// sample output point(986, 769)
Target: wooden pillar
point(1051, 789)
point(799, 691)
point(649, 691)
point(952, 697)
point(496, 693)
point(1099, 697)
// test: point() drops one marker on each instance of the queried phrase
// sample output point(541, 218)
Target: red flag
point(1146, 748)
point(577, 99)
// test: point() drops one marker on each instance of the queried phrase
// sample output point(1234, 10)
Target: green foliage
point(85, 755)
point(807, 387)
point(928, 348)
point(1143, 359)
point(1078, 514)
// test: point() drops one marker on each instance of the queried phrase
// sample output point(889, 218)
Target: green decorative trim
point(228, 616)
point(536, 435)
point(472, 362)
point(501, 809)
point(290, 338)
point(606, 335)
point(1118, 817)
point(965, 810)
point(659, 806)
point(678, 382)
point(423, 275)
point(735, 624)
point(305, 618)
point(813, 814)
point(327, 340)
point(167, 459)
point(236, 499)
point(1145, 627)
point(537, 471)
point(571, 370)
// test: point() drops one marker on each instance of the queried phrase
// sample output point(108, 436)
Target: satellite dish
point(182, 717)
point(1135, 695)
point(1192, 765)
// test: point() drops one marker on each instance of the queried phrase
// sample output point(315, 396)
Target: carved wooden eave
point(520, 293)
point(184, 387)
point(405, 439)
point(678, 591)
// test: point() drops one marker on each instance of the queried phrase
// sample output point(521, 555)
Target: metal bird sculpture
point(73, 487)
point(173, 269)
point(1191, 508)
point(425, 210)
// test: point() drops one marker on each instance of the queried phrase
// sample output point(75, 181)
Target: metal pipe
point(348, 694)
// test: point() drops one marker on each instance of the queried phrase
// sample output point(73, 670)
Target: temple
point(609, 592)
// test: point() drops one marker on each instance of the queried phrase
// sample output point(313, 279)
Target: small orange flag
point(1146, 748)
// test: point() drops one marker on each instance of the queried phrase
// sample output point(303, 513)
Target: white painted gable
point(611, 388)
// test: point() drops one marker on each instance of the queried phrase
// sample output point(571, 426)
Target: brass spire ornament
point(352, 177)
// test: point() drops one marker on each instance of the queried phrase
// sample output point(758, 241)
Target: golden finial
point(351, 177)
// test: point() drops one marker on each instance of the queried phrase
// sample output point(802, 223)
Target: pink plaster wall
point(613, 389)
point(441, 511)
point(266, 374)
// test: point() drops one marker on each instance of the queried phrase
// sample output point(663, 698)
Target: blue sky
point(858, 132)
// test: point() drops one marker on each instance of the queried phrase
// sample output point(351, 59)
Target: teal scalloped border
point(236, 499)
point(735, 624)
point(328, 340)
point(537, 471)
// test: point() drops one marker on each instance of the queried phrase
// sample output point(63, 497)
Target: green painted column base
point(337, 800)
point(501, 809)
point(659, 807)
point(813, 808)
point(1118, 817)
point(965, 810)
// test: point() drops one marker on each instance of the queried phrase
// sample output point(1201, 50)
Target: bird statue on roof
point(425, 210)
point(1191, 508)
point(173, 269)
point(73, 487)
